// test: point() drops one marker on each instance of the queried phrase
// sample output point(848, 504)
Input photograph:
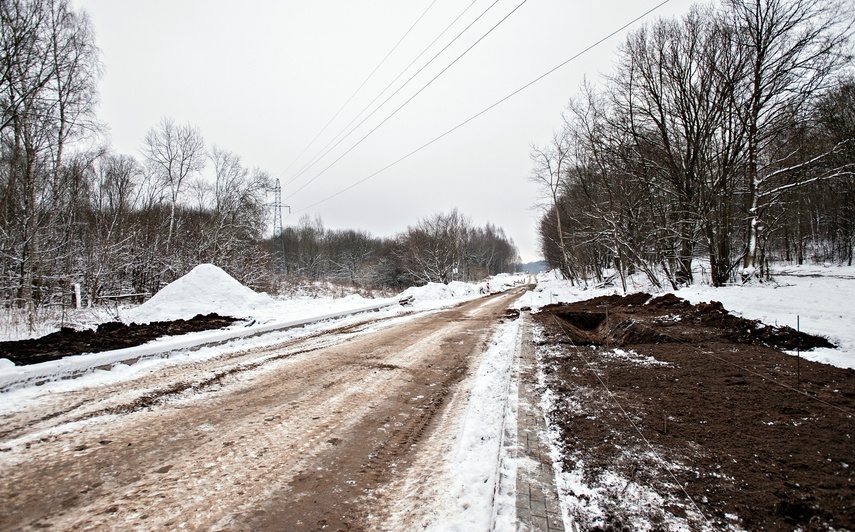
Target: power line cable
point(359, 88)
point(324, 150)
point(409, 99)
point(502, 100)
point(330, 146)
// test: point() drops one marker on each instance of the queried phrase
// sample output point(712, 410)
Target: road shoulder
point(538, 507)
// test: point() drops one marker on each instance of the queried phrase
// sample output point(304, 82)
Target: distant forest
point(73, 212)
point(724, 140)
point(441, 248)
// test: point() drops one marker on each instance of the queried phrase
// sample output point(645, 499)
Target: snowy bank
point(817, 299)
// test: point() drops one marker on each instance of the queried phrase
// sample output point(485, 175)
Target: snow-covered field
point(820, 297)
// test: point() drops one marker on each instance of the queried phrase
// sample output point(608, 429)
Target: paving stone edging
point(538, 508)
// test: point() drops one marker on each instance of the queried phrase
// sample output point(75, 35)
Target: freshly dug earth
point(753, 437)
point(111, 335)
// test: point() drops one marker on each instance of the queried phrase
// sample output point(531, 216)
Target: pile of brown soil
point(755, 438)
point(107, 336)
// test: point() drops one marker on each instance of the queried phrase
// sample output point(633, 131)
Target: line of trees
point(727, 135)
point(74, 212)
point(440, 248)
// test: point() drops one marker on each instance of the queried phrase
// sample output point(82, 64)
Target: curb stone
point(538, 508)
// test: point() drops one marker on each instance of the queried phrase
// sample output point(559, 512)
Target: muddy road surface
point(310, 435)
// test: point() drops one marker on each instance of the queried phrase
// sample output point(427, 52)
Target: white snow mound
point(439, 291)
point(205, 289)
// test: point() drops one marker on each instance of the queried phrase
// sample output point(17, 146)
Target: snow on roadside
point(207, 289)
point(480, 490)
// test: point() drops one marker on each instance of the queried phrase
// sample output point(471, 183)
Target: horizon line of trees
point(727, 134)
point(440, 248)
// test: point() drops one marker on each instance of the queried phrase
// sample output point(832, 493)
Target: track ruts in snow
point(349, 486)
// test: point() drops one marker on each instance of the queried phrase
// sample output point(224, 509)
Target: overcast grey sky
point(262, 78)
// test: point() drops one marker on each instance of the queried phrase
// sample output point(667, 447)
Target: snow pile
point(442, 292)
point(205, 289)
point(461, 291)
point(506, 281)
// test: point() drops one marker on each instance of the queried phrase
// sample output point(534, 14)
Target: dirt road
point(310, 435)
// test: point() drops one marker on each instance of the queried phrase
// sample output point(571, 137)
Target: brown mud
point(107, 336)
point(754, 437)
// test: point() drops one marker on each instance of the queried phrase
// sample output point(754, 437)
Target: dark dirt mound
point(107, 336)
point(621, 321)
point(762, 439)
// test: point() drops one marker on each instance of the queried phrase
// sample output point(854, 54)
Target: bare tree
point(349, 255)
point(173, 153)
point(791, 49)
point(238, 205)
point(435, 247)
point(708, 127)
point(671, 89)
point(48, 70)
point(108, 244)
point(551, 164)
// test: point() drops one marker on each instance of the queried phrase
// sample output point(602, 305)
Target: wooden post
point(798, 354)
point(77, 297)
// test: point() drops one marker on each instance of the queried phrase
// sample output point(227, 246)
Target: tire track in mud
point(307, 442)
point(346, 486)
point(336, 498)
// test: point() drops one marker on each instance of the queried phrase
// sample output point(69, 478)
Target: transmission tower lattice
point(278, 229)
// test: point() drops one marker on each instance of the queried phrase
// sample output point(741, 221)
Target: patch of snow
point(633, 357)
point(442, 292)
point(481, 491)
